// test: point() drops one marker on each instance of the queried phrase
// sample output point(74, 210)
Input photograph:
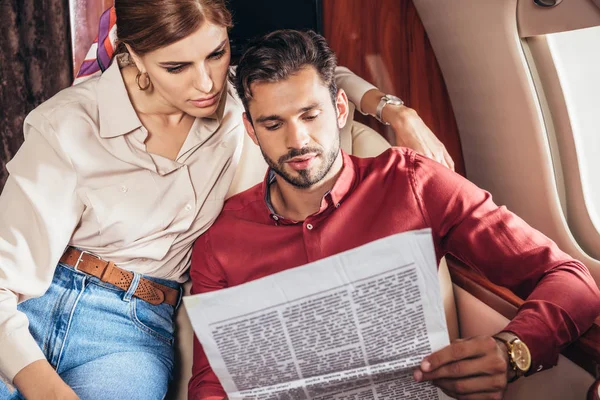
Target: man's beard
point(305, 178)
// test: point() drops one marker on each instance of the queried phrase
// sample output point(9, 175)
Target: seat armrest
point(584, 352)
point(594, 392)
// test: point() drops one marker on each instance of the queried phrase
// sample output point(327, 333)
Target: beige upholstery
point(566, 381)
point(356, 139)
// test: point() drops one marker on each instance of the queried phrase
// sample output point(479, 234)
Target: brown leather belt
point(147, 290)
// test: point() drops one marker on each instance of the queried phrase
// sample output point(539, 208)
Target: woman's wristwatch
point(519, 357)
point(385, 100)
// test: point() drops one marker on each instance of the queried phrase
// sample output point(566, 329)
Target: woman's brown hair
point(147, 25)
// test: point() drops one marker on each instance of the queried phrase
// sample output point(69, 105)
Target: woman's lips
point(206, 102)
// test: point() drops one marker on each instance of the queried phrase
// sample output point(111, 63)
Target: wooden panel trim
point(500, 299)
point(585, 352)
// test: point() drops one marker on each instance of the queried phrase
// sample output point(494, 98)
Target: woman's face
point(189, 75)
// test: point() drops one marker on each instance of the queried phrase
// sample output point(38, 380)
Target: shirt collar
point(341, 188)
point(117, 115)
point(269, 179)
point(345, 182)
point(217, 117)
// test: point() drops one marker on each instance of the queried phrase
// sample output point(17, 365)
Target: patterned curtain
point(35, 63)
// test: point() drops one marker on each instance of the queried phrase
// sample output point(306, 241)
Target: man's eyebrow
point(174, 63)
point(273, 117)
point(309, 107)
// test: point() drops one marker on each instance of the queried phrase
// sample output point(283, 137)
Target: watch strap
point(385, 100)
point(382, 103)
point(511, 363)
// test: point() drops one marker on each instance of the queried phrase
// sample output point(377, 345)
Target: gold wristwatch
point(519, 356)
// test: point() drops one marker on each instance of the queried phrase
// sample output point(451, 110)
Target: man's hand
point(468, 369)
point(409, 128)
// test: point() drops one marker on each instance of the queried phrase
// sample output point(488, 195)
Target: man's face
point(297, 126)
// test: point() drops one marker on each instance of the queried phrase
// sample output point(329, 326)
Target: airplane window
point(577, 63)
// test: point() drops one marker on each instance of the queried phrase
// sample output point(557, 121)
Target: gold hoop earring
point(137, 80)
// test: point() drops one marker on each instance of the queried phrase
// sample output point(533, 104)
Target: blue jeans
point(104, 343)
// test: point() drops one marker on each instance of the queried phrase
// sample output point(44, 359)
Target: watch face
point(521, 356)
point(396, 101)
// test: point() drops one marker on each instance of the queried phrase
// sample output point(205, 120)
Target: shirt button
point(309, 227)
point(188, 207)
point(337, 205)
point(124, 189)
point(275, 217)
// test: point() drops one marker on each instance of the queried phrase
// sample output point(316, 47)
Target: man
point(317, 201)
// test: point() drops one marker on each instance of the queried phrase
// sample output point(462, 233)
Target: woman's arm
point(409, 128)
point(39, 380)
point(39, 210)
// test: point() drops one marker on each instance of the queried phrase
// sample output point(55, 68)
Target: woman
point(127, 170)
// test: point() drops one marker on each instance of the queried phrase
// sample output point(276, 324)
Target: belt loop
point(132, 287)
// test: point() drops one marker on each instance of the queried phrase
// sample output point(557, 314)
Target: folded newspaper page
point(349, 327)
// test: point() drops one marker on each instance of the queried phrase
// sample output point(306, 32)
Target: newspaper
point(349, 327)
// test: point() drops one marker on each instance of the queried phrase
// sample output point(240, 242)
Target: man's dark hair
point(280, 54)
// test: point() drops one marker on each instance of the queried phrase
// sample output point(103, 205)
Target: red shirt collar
point(332, 199)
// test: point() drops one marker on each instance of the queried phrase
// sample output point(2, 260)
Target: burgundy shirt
point(395, 192)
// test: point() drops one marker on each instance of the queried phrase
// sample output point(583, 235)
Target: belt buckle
point(81, 253)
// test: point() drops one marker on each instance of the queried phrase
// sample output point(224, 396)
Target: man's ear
point(342, 108)
point(249, 128)
point(136, 59)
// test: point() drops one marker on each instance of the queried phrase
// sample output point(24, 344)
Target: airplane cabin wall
point(505, 143)
point(384, 42)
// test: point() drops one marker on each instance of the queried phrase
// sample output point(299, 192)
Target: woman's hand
point(412, 132)
point(409, 128)
point(39, 380)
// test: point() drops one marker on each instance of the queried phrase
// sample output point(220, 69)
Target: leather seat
point(356, 139)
